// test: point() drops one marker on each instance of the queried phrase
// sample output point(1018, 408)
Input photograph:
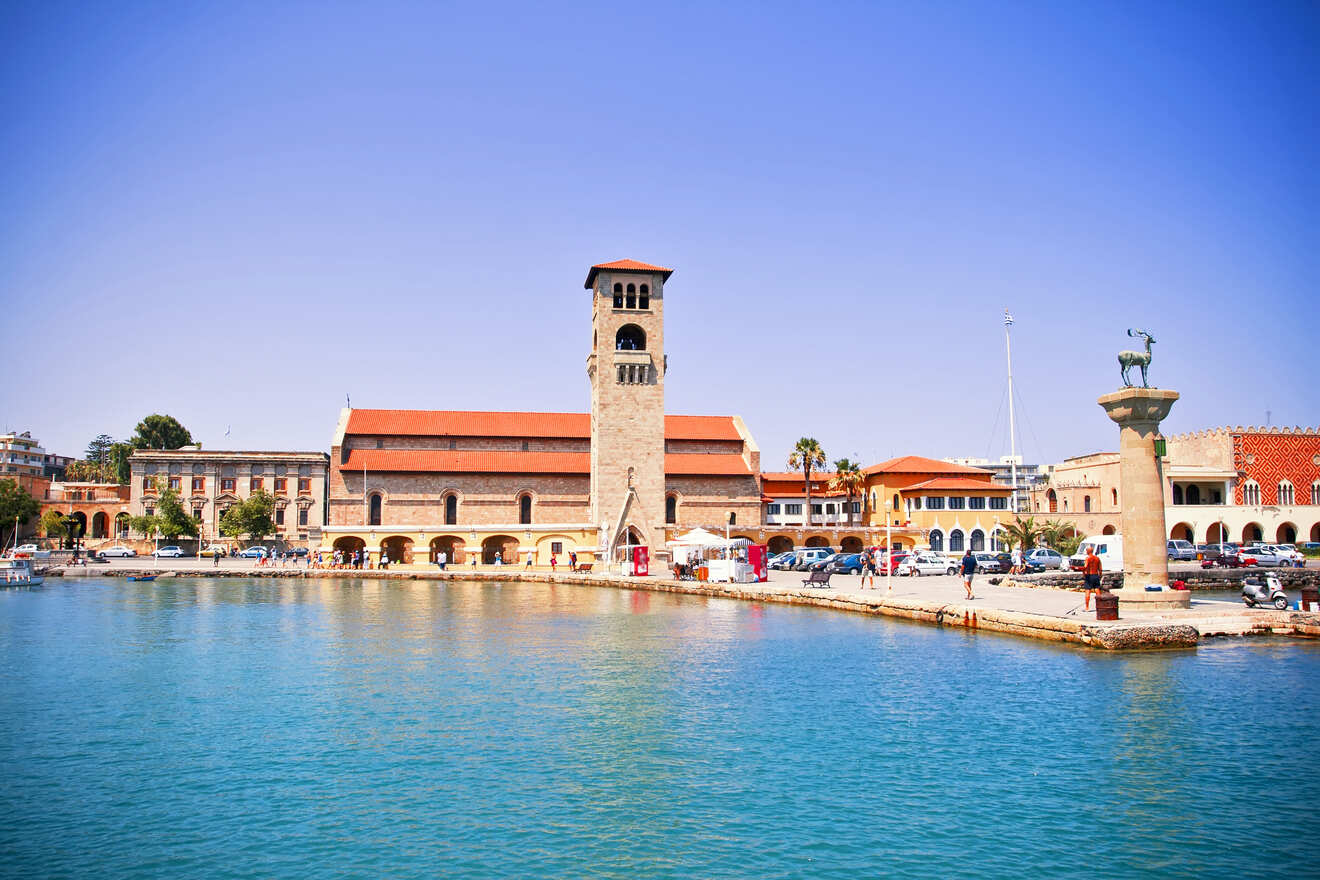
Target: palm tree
point(1022, 533)
point(1061, 536)
point(847, 479)
point(806, 457)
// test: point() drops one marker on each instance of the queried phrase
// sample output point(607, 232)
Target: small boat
point(142, 577)
point(19, 573)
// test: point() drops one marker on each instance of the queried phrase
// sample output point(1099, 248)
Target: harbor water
point(333, 728)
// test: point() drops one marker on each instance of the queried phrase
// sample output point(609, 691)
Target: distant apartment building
point(209, 482)
point(20, 455)
point(55, 466)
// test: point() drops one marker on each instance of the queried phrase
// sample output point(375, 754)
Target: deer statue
point(1129, 359)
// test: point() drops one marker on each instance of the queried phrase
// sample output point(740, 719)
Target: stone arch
point(1109, 530)
point(1315, 532)
point(630, 337)
point(82, 523)
point(817, 541)
point(851, 544)
point(349, 543)
point(399, 548)
point(504, 545)
point(451, 545)
point(545, 547)
point(100, 524)
point(1216, 534)
point(1252, 532)
point(1182, 532)
point(121, 525)
point(1286, 534)
point(780, 544)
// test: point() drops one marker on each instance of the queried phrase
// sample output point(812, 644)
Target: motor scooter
point(1256, 591)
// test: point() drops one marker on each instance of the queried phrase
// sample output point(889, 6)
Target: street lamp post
point(889, 549)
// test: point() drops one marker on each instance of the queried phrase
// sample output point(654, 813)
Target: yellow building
point(936, 504)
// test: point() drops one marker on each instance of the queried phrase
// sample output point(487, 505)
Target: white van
point(1108, 547)
point(808, 555)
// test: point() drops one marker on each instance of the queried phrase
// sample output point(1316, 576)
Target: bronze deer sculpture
point(1129, 359)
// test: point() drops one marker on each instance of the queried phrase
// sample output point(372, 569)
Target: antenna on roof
point(348, 401)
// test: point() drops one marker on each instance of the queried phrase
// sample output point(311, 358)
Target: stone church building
point(420, 482)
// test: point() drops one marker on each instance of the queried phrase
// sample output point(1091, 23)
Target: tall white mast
point(1012, 423)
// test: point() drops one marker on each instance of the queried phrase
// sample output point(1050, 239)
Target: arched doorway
point(1216, 534)
point(1252, 532)
point(450, 545)
point(348, 545)
point(1182, 532)
point(780, 544)
point(817, 541)
point(121, 525)
point(81, 528)
point(1053, 501)
point(399, 548)
point(851, 544)
point(1286, 534)
point(502, 544)
point(100, 524)
point(1109, 530)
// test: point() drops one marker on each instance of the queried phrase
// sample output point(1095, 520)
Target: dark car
point(820, 564)
point(845, 563)
point(987, 563)
point(783, 562)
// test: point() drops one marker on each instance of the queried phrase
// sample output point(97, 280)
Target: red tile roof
point(467, 423)
point(957, 483)
point(795, 477)
point(518, 462)
point(626, 266)
point(916, 464)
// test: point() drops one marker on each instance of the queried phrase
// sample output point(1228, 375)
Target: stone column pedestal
point(1138, 412)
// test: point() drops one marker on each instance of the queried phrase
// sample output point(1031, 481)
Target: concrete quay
point(1046, 613)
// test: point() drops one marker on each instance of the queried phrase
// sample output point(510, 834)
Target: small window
point(956, 502)
point(733, 519)
point(199, 484)
point(302, 516)
point(956, 541)
point(1001, 503)
point(151, 511)
point(526, 446)
point(451, 510)
point(643, 297)
point(281, 485)
point(279, 516)
point(936, 540)
point(374, 509)
point(197, 514)
point(148, 484)
point(815, 510)
point(935, 502)
point(254, 485)
point(1086, 504)
point(793, 509)
point(304, 484)
point(176, 483)
point(770, 509)
point(976, 503)
point(618, 296)
point(630, 301)
point(525, 510)
point(557, 547)
point(630, 338)
point(671, 509)
point(227, 485)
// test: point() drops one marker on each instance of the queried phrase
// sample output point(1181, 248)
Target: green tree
point(16, 508)
point(83, 472)
point(253, 517)
point(118, 463)
point(1022, 533)
point(1061, 536)
point(160, 432)
point(98, 450)
point(807, 456)
point(52, 524)
point(171, 519)
point(847, 479)
point(145, 525)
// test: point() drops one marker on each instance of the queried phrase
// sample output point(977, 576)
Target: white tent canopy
point(702, 538)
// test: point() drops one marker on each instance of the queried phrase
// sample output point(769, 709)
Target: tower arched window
point(618, 296)
point(451, 510)
point(644, 297)
point(1251, 492)
point(630, 338)
point(525, 510)
point(630, 301)
point(671, 509)
point(374, 504)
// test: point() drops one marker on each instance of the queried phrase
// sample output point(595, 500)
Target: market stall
point(705, 556)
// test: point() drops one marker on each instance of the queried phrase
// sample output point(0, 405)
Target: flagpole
point(1012, 423)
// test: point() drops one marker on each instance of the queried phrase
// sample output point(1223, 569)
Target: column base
point(1142, 600)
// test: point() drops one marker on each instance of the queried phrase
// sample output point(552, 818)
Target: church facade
point(504, 486)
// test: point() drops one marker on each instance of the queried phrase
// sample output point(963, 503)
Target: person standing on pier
point(968, 569)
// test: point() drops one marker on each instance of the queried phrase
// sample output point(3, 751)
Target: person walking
point(968, 569)
point(1017, 560)
point(868, 568)
point(572, 560)
point(553, 562)
point(528, 563)
point(442, 559)
point(1091, 574)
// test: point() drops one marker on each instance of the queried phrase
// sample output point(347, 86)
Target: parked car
point(213, 550)
point(987, 563)
point(1181, 551)
point(1046, 558)
point(885, 565)
point(255, 552)
point(845, 563)
point(1267, 556)
point(116, 550)
point(32, 551)
point(1108, 547)
point(808, 555)
point(784, 561)
point(820, 564)
point(171, 552)
point(925, 563)
point(298, 552)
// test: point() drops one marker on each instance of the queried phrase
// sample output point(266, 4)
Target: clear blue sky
point(238, 213)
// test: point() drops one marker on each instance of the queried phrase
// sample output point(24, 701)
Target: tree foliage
point(1022, 533)
point(52, 524)
point(98, 449)
point(253, 517)
point(158, 431)
point(848, 479)
point(117, 463)
point(1061, 536)
point(172, 519)
point(16, 506)
point(807, 456)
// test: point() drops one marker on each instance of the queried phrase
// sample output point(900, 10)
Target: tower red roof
point(626, 266)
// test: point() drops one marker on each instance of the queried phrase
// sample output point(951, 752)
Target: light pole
point(889, 549)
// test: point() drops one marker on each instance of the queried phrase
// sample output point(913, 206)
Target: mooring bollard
point(1310, 599)
point(1106, 606)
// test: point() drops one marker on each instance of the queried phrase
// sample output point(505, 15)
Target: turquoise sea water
point(231, 728)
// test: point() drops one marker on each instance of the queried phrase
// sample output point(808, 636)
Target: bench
point(820, 578)
point(583, 567)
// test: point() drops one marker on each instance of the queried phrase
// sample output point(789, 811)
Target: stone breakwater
point(1104, 635)
point(1212, 579)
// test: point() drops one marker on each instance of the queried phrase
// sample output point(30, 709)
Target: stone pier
point(1138, 413)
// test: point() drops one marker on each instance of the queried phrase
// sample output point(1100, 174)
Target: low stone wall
point(1214, 579)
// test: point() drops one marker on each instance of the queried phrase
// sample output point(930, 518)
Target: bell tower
point(627, 368)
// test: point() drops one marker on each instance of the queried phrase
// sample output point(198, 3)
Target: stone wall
point(483, 499)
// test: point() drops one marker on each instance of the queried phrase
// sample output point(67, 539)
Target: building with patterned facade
point(482, 486)
point(1241, 484)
